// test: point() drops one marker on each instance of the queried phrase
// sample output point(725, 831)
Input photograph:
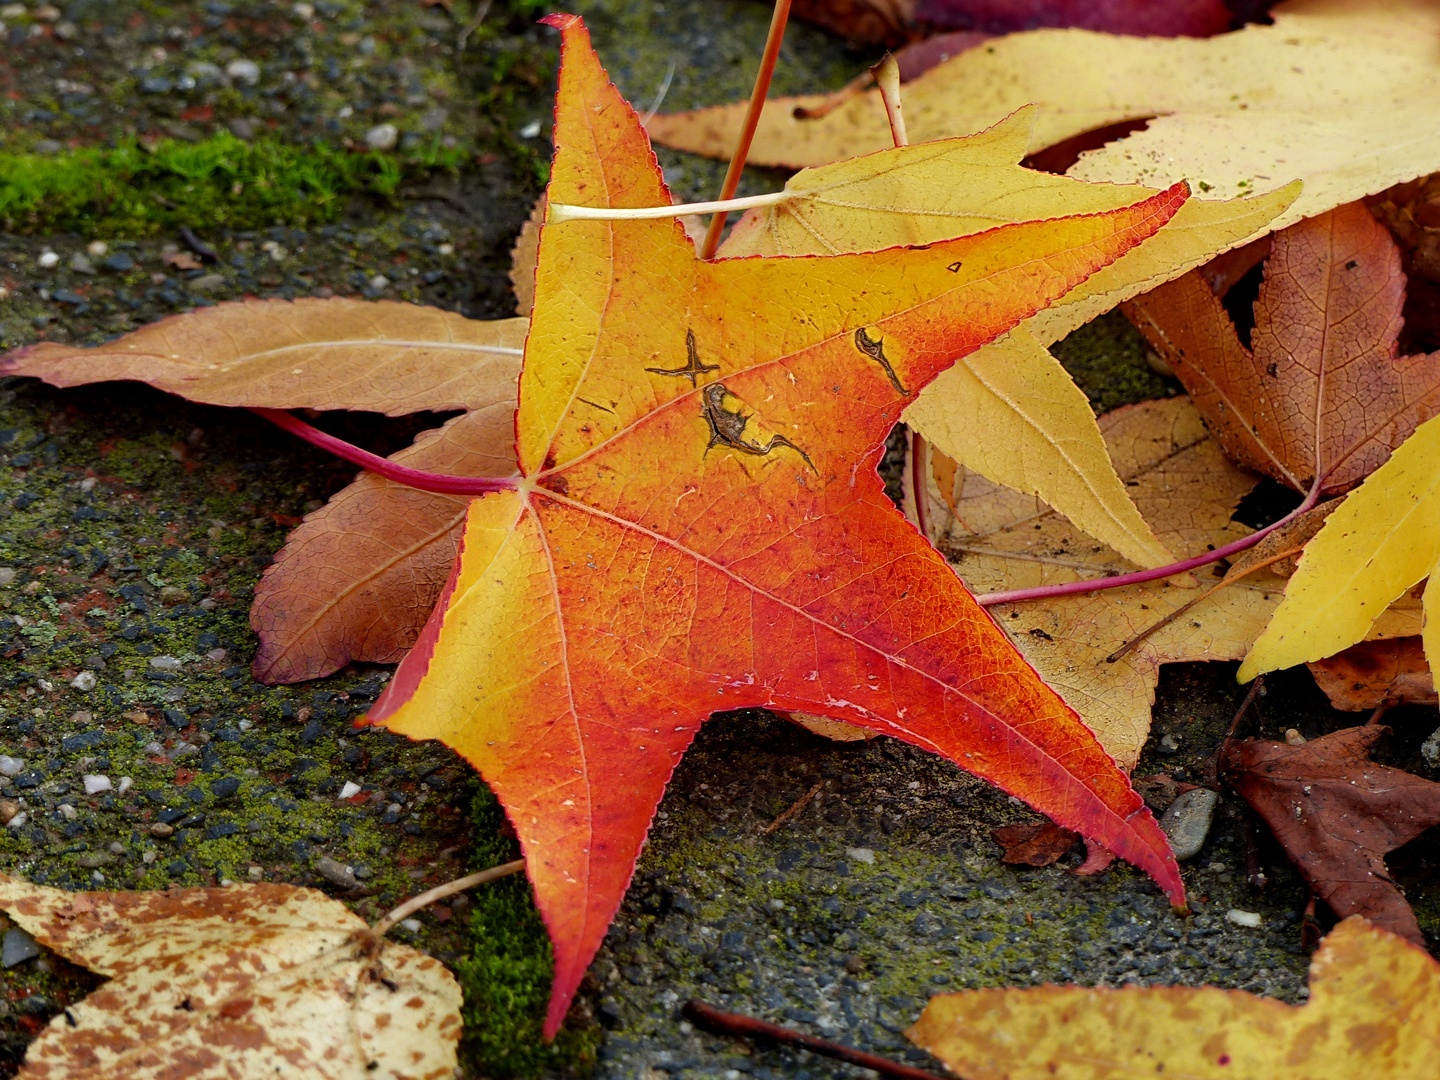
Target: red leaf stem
point(444, 485)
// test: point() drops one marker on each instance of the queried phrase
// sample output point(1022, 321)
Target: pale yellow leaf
point(1381, 541)
point(1341, 94)
point(1374, 1010)
point(1011, 413)
point(237, 983)
point(1186, 490)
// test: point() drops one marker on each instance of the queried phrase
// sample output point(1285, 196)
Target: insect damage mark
point(728, 428)
point(693, 367)
point(875, 349)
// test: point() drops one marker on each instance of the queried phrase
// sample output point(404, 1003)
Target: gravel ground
point(134, 527)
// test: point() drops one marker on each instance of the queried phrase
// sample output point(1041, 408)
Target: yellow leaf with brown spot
point(1374, 1010)
point(238, 983)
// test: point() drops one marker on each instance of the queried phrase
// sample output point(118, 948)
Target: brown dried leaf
point(359, 577)
point(1034, 845)
point(1186, 490)
point(1372, 673)
point(1337, 814)
point(180, 260)
point(524, 256)
point(243, 982)
point(1321, 390)
point(320, 354)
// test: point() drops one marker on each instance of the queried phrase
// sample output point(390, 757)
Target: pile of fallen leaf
point(660, 497)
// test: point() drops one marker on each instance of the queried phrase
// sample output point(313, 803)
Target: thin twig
point(1380, 710)
point(1250, 697)
point(795, 808)
point(556, 213)
point(1049, 592)
point(752, 120)
point(723, 1023)
point(402, 474)
point(1229, 579)
point(425, 899)
point(481, 10)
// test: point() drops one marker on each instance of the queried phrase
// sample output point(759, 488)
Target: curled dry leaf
point(1373, 1010)
point(1337, 814)
point(1186, 489)
point(315, 354)
point(1340, 95)
point(1320, 392)
point(240, 983)
point(1376, 673)
point(1034, 845)
point(1381, 542)
point(699, 525)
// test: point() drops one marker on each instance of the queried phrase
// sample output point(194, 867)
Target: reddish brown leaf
point(357, 580)
point(1034, 845)
point(1367, 675)
point(1325, 341)
point(1337, 814)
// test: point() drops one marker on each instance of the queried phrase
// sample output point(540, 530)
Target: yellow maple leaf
point(1374, 1010)
point(1382, 541)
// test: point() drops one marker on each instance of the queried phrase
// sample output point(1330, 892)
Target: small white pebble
point(18, 820)
point(165, 663)
point(125, 785)
point(154, 748)
point(245, 70)
point(446, 249)
point(98, 878)
point(379, 281)
point(216, 654)
point(84, 682)
point(1243, 918)
point(777, 905)
point(225, 882)
point(350, 790)
point(148, 857)
point(256, 873)
point(185, 749)
point(861, 854)
point(48, 260)
point(98, 248)
point(95, 783)
point(245, 725)
point(382, 136)
point(304, 11)
point(413, 925)
point(530, 130)
point(67, 811)
point(11, 766)
point(209, 603)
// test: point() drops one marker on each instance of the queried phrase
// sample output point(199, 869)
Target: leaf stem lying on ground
point(425, 899)
point(1069, 588)
point(752, 120)
point(402, 474)
point(723, 1023)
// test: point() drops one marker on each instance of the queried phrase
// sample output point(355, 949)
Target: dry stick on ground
point(723, 1023)
point(425, 899)
point(1233, 576)
point(747, 130)
point(481, 10)
point(795, 808)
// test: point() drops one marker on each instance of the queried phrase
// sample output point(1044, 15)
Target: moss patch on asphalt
point(133, 190)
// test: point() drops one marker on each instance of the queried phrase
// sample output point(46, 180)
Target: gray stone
point(11, 766)
point(18, 947)
point(246, 71)
point(205, 283)
point(1187, 821)
point(382, 137)
point(337, 873)
point(80, 264)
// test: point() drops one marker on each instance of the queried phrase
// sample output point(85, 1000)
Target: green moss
point(1106, 358)
point(507, 975)
point(221, 181)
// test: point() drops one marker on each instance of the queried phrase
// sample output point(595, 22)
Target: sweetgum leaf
point(699, 525)
point(1374, 1009)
